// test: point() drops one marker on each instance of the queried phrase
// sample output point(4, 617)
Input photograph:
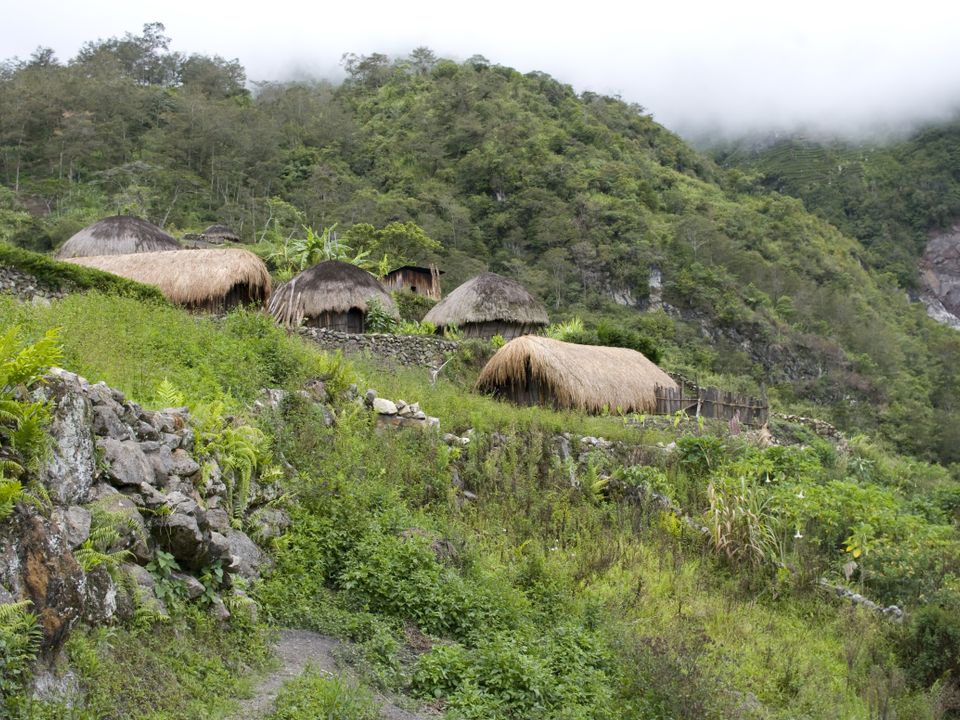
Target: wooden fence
point(709, 402)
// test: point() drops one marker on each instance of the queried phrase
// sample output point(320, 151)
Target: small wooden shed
point(418, 280)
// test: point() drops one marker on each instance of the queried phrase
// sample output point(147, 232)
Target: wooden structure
point(534, 370)
point(207, 280)
point(489, 305)
point(330, 294)
point(418, 280)
point(219, 234)
point(710, 403)
point(117, 235)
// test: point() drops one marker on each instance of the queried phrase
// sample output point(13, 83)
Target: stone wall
point(26, 287)
point(115, 464)
point(422, 350)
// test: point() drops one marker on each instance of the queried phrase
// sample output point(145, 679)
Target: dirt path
point(297, 650)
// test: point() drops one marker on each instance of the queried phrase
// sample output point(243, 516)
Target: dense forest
point(577, 196)
point(889, 195)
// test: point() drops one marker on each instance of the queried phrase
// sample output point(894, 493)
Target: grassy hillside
point(550, 599)
point(577, 196)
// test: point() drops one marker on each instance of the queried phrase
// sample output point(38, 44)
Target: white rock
point(384, 406)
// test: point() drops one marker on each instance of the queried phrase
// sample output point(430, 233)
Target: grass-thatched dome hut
point(210, 280)
point(219, 234)
point(117, 235)
point(489, 305)
point(533, 370)
point(330, 294)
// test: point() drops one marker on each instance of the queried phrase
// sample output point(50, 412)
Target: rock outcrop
point(114, 464)
point(940, 277)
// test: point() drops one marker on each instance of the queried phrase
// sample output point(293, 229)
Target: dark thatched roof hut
point(219, 234)
point(331, 294)
point(418, 280)
point(210, 280)
point(489, 305)
point(117, 235)
point(533, 370)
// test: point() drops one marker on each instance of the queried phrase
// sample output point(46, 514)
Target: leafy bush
point(412, 306)
point(19, 643)
point(930, 649)
point(378, 320)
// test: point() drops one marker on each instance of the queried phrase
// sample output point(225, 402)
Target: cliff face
point(940, 277)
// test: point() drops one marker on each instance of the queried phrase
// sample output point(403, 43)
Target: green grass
point(314, 697)
point(559, 601)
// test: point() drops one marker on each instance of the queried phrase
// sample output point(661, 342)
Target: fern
point(168, 396)
point(20, 637)
point(102, 547)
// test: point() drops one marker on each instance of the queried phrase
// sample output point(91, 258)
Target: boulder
point(384, 406)
point(247, 558)
point(100, 601)
point(72, 466)
point(106, 423)
point(75, 521)
point(270, 523)
point(50, 578)
point(192, 587)
point(178, 532)
point(127, 465)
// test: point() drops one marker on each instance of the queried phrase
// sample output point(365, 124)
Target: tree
point(399, 242)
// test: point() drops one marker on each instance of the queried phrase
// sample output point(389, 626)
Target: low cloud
point(835, 67)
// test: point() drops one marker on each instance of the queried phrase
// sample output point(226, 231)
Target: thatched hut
point(209, 280)
point(219, 234)
point(331, 294)
point(533, 370)
point(117, 235)
point(417, 280)
point(489, 305)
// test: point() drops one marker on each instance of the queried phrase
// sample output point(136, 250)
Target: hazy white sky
point(842, 65)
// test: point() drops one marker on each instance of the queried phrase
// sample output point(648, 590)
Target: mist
point(852, 69)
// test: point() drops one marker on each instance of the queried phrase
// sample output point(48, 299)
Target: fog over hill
point(703, 69)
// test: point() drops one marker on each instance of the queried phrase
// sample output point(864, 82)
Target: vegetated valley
point(176, 488)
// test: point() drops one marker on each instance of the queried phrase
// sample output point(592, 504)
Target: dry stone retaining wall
point(27, 287)
point(421, 350)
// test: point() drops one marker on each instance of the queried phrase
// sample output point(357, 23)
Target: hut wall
point(239, 294)
point(507, 330)
point(416, 281)
point(351, 321)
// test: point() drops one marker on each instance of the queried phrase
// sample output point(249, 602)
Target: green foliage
point(315, 697)
point(239, 450)
point(412, 306)
point(378, 319)
point(19, 643)
point(103, 548)
point(23, 438)
point(414, 327)
point(930, 648)
point(604, 333)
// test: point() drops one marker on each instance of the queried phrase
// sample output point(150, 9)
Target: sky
point(844, 67)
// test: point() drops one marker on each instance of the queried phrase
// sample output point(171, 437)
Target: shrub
point(314, 697)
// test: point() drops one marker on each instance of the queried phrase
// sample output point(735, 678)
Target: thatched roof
point(117, 235)
point(219, 234)
point(488, 298)
point(190, 277)
point(330, 286)
point(587, 377)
